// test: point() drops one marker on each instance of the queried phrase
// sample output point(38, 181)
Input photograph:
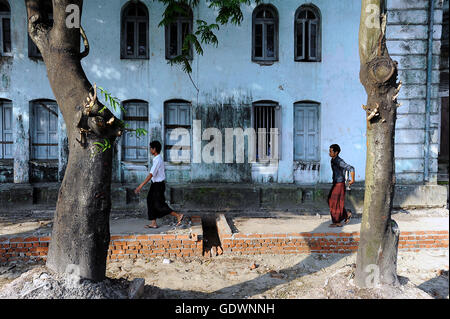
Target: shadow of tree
point(262, 283)
point(435, 286)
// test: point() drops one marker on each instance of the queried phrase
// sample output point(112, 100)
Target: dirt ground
point(422, 275)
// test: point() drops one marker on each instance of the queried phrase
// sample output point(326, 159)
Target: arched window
point(134, 31)
point(6, 133)
point(177, 130)
point(307, 34)
point(135, 148)
point(5, 28)
point(306, 131)
point(176, 32)
point(265, 34)
point(44, 127)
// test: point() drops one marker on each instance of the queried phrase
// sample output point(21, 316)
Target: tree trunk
point(80, 233)
point(377, 252)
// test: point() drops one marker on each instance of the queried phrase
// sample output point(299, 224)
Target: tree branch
point(85, 53)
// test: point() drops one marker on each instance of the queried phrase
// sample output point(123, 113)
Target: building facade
point(291, 65)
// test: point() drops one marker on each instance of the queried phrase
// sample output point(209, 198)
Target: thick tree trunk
point(80, 234)
point(377, 251)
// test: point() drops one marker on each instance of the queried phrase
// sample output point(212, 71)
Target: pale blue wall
point(222, 74)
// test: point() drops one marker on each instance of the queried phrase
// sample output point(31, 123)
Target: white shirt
point(157, 169)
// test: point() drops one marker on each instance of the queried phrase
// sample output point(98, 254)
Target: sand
point(423, 275)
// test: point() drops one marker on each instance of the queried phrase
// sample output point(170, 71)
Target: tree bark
point(80, 234)
point(377, 252)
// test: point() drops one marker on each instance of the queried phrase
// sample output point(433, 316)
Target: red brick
point(31, 239)
point(129, 237)
point(155, 237)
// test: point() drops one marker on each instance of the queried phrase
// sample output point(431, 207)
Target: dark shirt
point(339, 167)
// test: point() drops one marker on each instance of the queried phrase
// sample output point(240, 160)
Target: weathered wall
point(407, 34)
point(228, 82)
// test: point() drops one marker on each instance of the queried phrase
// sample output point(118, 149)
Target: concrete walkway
point(427, 220)
point(295, 224)
point(314, 224)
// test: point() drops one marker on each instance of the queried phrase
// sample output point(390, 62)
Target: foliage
point(229, 11)
point(115, 103)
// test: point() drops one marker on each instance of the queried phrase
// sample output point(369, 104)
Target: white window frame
point(136, 20)
point(54, 107)
point(133, 121)
point(179, 22)
point(265, 22)
point(170, 126)
point(277, 123)
point(308, 21)
point(4, 139)
point(305, 105)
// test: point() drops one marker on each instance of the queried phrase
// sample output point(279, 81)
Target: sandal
point(180, 220)
point(335, 225)
point(349, 216)
point(151, 226)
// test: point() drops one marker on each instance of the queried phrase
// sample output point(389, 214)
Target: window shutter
point(7, 130)
point(6, 149)
point(1, 46)
point(306, 128)
point(300, 33)
point(183, 114)
point(142, 141)
point(278, 121)
point(258, 41)
point(299, 129)
point(313, 43)
point(41, 132)
point(5, 34)
point(130, 152)
point(312, 133)
point(52, 132)
point(2, 137)
point(178, 115)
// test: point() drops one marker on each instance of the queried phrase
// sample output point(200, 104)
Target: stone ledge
point(228, 197)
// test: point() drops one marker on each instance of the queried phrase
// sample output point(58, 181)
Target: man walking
point(156, 202)
point(336, 197)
